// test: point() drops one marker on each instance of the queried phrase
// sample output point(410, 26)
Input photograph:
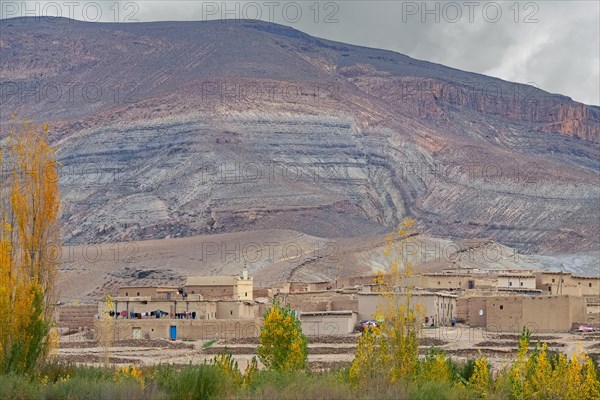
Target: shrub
point(193, 382)
point(299, 385)
point(18, 387)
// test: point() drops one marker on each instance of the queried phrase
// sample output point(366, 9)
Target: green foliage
point(435, 367)
point(283, 346)
point(27, 349)
point(438, 390)
point(466, 370)
point(228, 366)
point(251, 373)
point(299, 385)
point(17, 387)
point(193, 382)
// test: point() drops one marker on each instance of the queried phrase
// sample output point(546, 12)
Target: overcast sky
point(552, 44)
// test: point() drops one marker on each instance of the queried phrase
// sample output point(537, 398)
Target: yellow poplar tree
point(481, 378)
point(590, 389)
point(29, 206)
point(283, 346)
point(539, 377)
point(396, 339)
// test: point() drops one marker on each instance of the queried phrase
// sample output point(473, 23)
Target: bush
point(18, 387)
point(299, 385)
point(81, 387)
point(193, 382)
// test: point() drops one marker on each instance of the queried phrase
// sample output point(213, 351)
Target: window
point(230, 312)
point(549, 288)
point(138, 293)
point(246, 294)
point(552, 280)
point(509, 283)
point(439, 283)
point(501, 307)
point(126, 294)
point(590, 284)
point(521, 283)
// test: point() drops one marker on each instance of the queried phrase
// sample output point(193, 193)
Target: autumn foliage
point(29, 206)
point(282, 347)
point(387, 356)
point(389, 351)
point(538, 375)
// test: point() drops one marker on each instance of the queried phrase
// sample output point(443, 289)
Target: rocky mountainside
point(177, 129)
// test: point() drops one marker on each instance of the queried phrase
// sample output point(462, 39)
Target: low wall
point(76, 316)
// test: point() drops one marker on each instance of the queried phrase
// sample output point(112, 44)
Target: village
point(222, 307)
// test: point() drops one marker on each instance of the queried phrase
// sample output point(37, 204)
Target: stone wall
point(76, 316)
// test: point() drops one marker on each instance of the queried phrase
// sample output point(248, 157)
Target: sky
point(554, 44)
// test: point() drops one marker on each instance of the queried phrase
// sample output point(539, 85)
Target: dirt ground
point(325, 352)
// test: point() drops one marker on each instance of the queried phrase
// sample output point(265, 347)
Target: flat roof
point(212, 280)
point(414, 294)
point(340, 312)
point(519, 289)
point(148, 287)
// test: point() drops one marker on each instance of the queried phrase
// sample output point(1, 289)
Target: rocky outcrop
point(430, 99)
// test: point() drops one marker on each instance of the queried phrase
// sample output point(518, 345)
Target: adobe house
point(177, 329)
point(128, 307)
point(328, 322)
point(516, 280)
point(441, 306)
point(566, 283)
point(511, 312)
point(452, 280)
point(221, 287)
point(154, 292)
point(235, 309)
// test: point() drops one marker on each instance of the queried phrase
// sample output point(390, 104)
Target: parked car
point(584, 328)
point(360, 327)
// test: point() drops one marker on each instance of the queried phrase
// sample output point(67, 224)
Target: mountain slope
point(173, 129)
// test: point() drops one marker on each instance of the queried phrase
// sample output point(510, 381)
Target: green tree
point(282, 347)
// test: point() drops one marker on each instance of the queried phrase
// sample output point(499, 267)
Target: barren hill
point(90, 271)
point(178, 129)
